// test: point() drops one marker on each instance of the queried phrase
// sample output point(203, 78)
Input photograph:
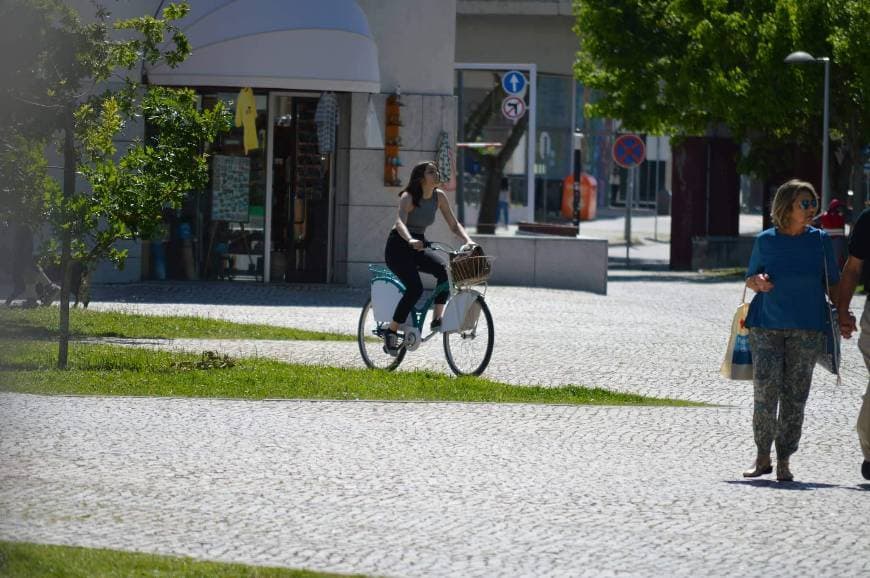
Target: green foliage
point(689, 67)
point(68, 67)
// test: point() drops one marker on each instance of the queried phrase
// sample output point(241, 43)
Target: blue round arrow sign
point(629, 151)
point(513, 82)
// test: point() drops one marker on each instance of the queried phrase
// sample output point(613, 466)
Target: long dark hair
point(415, 182)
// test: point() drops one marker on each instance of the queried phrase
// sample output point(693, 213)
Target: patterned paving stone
point(443, 489)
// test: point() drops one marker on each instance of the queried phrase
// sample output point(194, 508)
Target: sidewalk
point(406, 489)
point(650, 236)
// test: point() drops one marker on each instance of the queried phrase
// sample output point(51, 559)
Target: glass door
point(495, 156)
point(300, 194)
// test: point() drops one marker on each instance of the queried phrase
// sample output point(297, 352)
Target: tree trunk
point(69, 184)
point(494, 166)
point(488, 214)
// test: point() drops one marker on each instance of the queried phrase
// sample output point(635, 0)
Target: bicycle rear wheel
point(468, 352)
point(371, 343)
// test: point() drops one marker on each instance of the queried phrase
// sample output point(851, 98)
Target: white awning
point(281, 44)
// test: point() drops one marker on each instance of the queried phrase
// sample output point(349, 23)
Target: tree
point(74, 84)
point(689, 67)
point(493, 163)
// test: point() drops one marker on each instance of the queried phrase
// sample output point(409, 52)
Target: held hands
point(760, 283)
point(847, 325)
point(416, 244)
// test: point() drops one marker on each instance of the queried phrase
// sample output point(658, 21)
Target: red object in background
point(588, 197)
point(833, 220)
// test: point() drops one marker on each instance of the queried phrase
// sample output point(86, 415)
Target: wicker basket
point(470, 270)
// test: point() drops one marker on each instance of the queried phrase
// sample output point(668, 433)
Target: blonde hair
point(783, 201)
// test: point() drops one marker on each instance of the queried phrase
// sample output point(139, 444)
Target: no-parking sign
point(629, 151)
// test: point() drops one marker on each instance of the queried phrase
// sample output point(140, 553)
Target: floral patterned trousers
point(783, 362)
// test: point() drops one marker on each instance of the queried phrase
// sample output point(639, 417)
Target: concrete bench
point(548, 261)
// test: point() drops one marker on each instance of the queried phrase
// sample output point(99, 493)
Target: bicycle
point(466, 324)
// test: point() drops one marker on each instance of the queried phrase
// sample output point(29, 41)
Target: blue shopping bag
point(738, 356)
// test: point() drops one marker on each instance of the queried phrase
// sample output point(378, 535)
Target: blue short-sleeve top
point(796, 267)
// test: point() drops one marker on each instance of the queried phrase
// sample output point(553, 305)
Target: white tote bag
point(738, 357)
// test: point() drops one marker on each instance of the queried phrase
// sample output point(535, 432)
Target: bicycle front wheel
point(369, 336)
point(468, 352)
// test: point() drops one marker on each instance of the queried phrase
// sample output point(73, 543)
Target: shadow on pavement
point(775, 485)
point(640, 275)
point(230, 293)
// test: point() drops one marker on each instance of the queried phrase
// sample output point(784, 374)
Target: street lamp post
point(801, 57)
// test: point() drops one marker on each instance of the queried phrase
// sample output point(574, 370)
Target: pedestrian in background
point(833, 221)
point(859, 250)
point(504, 201)
point(786, 320)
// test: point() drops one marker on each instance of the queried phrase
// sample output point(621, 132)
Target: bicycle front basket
point(470, 270)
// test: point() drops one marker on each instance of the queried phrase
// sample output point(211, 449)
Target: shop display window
point(219, 232)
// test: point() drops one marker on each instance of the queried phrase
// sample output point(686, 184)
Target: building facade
point(304, 187)
point(538, 37)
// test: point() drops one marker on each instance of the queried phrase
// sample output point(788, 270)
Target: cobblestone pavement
point(453, 489)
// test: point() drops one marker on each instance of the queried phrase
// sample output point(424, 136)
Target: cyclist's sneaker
point(435, 325)
point(391, 343)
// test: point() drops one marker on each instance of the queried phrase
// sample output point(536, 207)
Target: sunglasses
point(807, 203)
point(430, 172)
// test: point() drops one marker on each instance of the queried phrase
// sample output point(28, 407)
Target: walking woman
point(405, 254)
point(786, 320)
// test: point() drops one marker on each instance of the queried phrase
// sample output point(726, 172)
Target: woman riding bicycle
point(405, 254)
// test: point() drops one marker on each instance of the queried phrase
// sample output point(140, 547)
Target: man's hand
point(848, 324)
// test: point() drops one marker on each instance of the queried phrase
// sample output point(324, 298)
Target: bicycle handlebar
point(438, 246)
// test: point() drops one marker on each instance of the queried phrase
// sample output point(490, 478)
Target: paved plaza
point(442, 489)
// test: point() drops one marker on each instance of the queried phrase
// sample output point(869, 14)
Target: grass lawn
point(28, 366)
point(38, 561)
point(42, 323)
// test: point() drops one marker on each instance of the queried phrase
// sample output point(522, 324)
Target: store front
point(286, 71)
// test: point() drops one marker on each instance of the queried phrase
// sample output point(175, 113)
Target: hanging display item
point(442, 157)
point(326, 117)
point(393, 140)
point(231, 186)
point(246, 116)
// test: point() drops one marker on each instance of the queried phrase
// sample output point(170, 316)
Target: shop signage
point(629, 151)
point(513, 82)
point(513, 107)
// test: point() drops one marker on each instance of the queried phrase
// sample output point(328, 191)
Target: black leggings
point(406, 263)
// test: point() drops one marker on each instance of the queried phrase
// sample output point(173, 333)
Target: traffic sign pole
point(629, 199)
point(628, 152)
point(578, 140)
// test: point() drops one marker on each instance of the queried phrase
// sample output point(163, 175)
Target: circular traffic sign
point(629, 151)
point(513, 82)
point(513, 107)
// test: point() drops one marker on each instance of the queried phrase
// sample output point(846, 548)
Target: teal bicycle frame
point(418, 316)
point(459, 329)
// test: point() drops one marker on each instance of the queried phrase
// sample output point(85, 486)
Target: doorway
point(301, 178)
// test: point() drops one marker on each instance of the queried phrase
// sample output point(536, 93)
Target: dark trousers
point(407, 263)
